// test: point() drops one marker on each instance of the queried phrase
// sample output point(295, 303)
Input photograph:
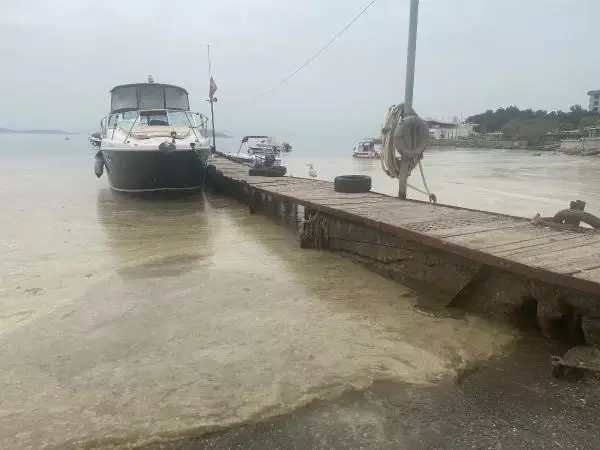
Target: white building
point(439, 129)
point(594, 101)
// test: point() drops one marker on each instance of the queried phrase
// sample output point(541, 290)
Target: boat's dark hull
point(153, 170)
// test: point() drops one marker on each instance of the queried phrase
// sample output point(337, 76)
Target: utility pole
point(408, 90)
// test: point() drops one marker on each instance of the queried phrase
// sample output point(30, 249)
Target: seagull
point(311, 171)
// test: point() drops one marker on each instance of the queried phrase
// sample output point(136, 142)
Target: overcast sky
point(59, 59)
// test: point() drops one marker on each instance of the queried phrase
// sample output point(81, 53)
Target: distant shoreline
point(484, 143)
point(11, 131)
point(61, 132)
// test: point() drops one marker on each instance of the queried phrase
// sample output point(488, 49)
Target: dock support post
point(480, 276)
point(403, 180)
point(287, 211)
point(253, 198)
point(305, 238)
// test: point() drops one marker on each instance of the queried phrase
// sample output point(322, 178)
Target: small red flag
point(212, 89)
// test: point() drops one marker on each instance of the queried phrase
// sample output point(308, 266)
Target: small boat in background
point(367, 149)
point(257, 154)
point(95, 139)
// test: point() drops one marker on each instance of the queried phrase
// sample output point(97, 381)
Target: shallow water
point(124, 320)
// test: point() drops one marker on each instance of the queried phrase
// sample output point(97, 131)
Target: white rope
point(390, 162)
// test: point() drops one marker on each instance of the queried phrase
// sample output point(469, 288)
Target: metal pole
point(411, 56)
point(212, 119)
point(408, 89)
point(209, 69)
point(212, 109)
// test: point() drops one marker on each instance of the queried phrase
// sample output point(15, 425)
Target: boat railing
point(197, 128)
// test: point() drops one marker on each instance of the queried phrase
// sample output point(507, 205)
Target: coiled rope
point(397, 128)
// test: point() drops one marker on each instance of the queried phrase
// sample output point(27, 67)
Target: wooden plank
point(436, 223)
point(386, 207)
point(315, 197)
point(551, 247)
point(443, 234)
point(300, 190)
point(275, 181)
point(563, 261)
point(591, 274)
point(360, 203)
point(509, 239)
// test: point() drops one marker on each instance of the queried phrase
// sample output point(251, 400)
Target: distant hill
point(8, 130)
point(220, 134)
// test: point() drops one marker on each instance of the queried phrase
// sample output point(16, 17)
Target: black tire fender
point(99, 164)
point(352, 184)
point(279, 171)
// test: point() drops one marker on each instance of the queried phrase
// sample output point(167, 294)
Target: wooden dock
point(558, 259)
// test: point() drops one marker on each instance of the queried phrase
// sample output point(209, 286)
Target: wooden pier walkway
point(564, 258)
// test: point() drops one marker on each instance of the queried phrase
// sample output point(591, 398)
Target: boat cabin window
point(151, 96)
point(176, 98)
point(124, 98)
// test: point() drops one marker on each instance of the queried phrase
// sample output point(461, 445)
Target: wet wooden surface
point(564, 257)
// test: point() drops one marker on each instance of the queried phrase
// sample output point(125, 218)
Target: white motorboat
point(367, 149)
point(151, 141)
point(263, 153)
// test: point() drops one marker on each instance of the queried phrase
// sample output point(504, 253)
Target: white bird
point(311, 171)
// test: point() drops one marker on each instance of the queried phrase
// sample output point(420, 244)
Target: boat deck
point(562, 257)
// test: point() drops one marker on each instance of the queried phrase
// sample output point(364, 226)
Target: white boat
point(151, 141)
point(367, 149)
point(258, 151)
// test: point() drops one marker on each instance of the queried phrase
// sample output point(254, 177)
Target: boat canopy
point(245, 138)
point(143, 96)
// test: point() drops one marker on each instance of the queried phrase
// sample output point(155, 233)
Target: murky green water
point(126, 320)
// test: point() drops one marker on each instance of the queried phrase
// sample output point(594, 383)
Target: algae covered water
point(129, 320)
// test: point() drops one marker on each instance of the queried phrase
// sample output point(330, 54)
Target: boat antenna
point(212, 99)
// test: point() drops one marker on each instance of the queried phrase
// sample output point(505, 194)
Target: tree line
point(530, 125)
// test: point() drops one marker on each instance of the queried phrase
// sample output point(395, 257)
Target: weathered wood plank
point(359, 203)
point(316, 196)
point(551, 247)
point(473, 228)
point(563, 261)
point(591, 274)
point(496, 241)
point(386, 206)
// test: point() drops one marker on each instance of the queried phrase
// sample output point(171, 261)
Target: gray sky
point(59, 59)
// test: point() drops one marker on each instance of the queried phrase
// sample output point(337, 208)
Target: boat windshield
point(160, 118)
